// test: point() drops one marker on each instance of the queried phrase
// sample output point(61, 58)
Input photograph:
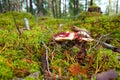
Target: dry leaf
point(75, 69)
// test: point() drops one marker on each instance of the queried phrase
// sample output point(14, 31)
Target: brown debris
point(21, 72)
point(44, 63)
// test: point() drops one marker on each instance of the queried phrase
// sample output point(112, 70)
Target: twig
point(16, 24)
point(46, 56)
point(53, 40)
point(99, 40)
point(3, 48)
point(29, 49)
point(53, 53)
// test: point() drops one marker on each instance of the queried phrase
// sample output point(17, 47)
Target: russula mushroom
point(62, 36)
point(66, 36)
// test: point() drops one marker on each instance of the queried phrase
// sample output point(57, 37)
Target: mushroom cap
point(77, 29)
point(66, 36)
point(62, 36)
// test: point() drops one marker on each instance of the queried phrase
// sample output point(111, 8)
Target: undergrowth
point(20, 55)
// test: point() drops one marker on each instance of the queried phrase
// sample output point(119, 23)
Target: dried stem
point(3, 48)
point(48, 69)
point(99, 40)
point(16, 24)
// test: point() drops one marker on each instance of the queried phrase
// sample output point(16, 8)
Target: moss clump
point(84, 15)
point(9, 19)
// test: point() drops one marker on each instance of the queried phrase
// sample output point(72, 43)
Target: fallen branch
point(45, 65)
point(46, 58)
point(109, 46)
point(99, 40)
point(106, 45)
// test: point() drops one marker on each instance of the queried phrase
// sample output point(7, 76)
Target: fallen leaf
point(75, 69)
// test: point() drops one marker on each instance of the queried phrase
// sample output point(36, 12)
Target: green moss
point(25, 51)
point(9, 19)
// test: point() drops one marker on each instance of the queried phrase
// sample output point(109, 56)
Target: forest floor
point(34, 55)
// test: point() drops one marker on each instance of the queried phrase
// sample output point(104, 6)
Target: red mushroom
point(80, 36)
point(62, 36)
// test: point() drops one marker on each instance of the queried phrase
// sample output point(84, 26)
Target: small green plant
point(104, 60)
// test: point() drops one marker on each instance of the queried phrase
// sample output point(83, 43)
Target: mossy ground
point(20, 55)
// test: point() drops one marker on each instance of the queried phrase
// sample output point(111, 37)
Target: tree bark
point(6, 5)
point(60, 8)
point(56, 8)
point(76, 6)
point(85, 5)
point(49, 5)
point(53, 10)
point(64, 10)
point(31, 7)
point(91, 2)
point(9, 5)
point(109, 7)
point(27, 5)
point(117, 6)
point(41, 8)
point(77, 2)
point(1, 10)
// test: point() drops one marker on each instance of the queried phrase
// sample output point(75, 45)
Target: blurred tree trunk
point(72, 7)
point(16, 5)
point(31, 6)
point(41, 10)
point(49, 5)
point(9, 5)
point(53, 8)
point(76, 2)
point(91, 2)
point(64, 8)
point(60, 8)
point(27, 5)
point(6, 5)
point(117, 6)
point(1, 10)
point(85, 5)
point(56, 8)
point(76, 6)
point(109, 6)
